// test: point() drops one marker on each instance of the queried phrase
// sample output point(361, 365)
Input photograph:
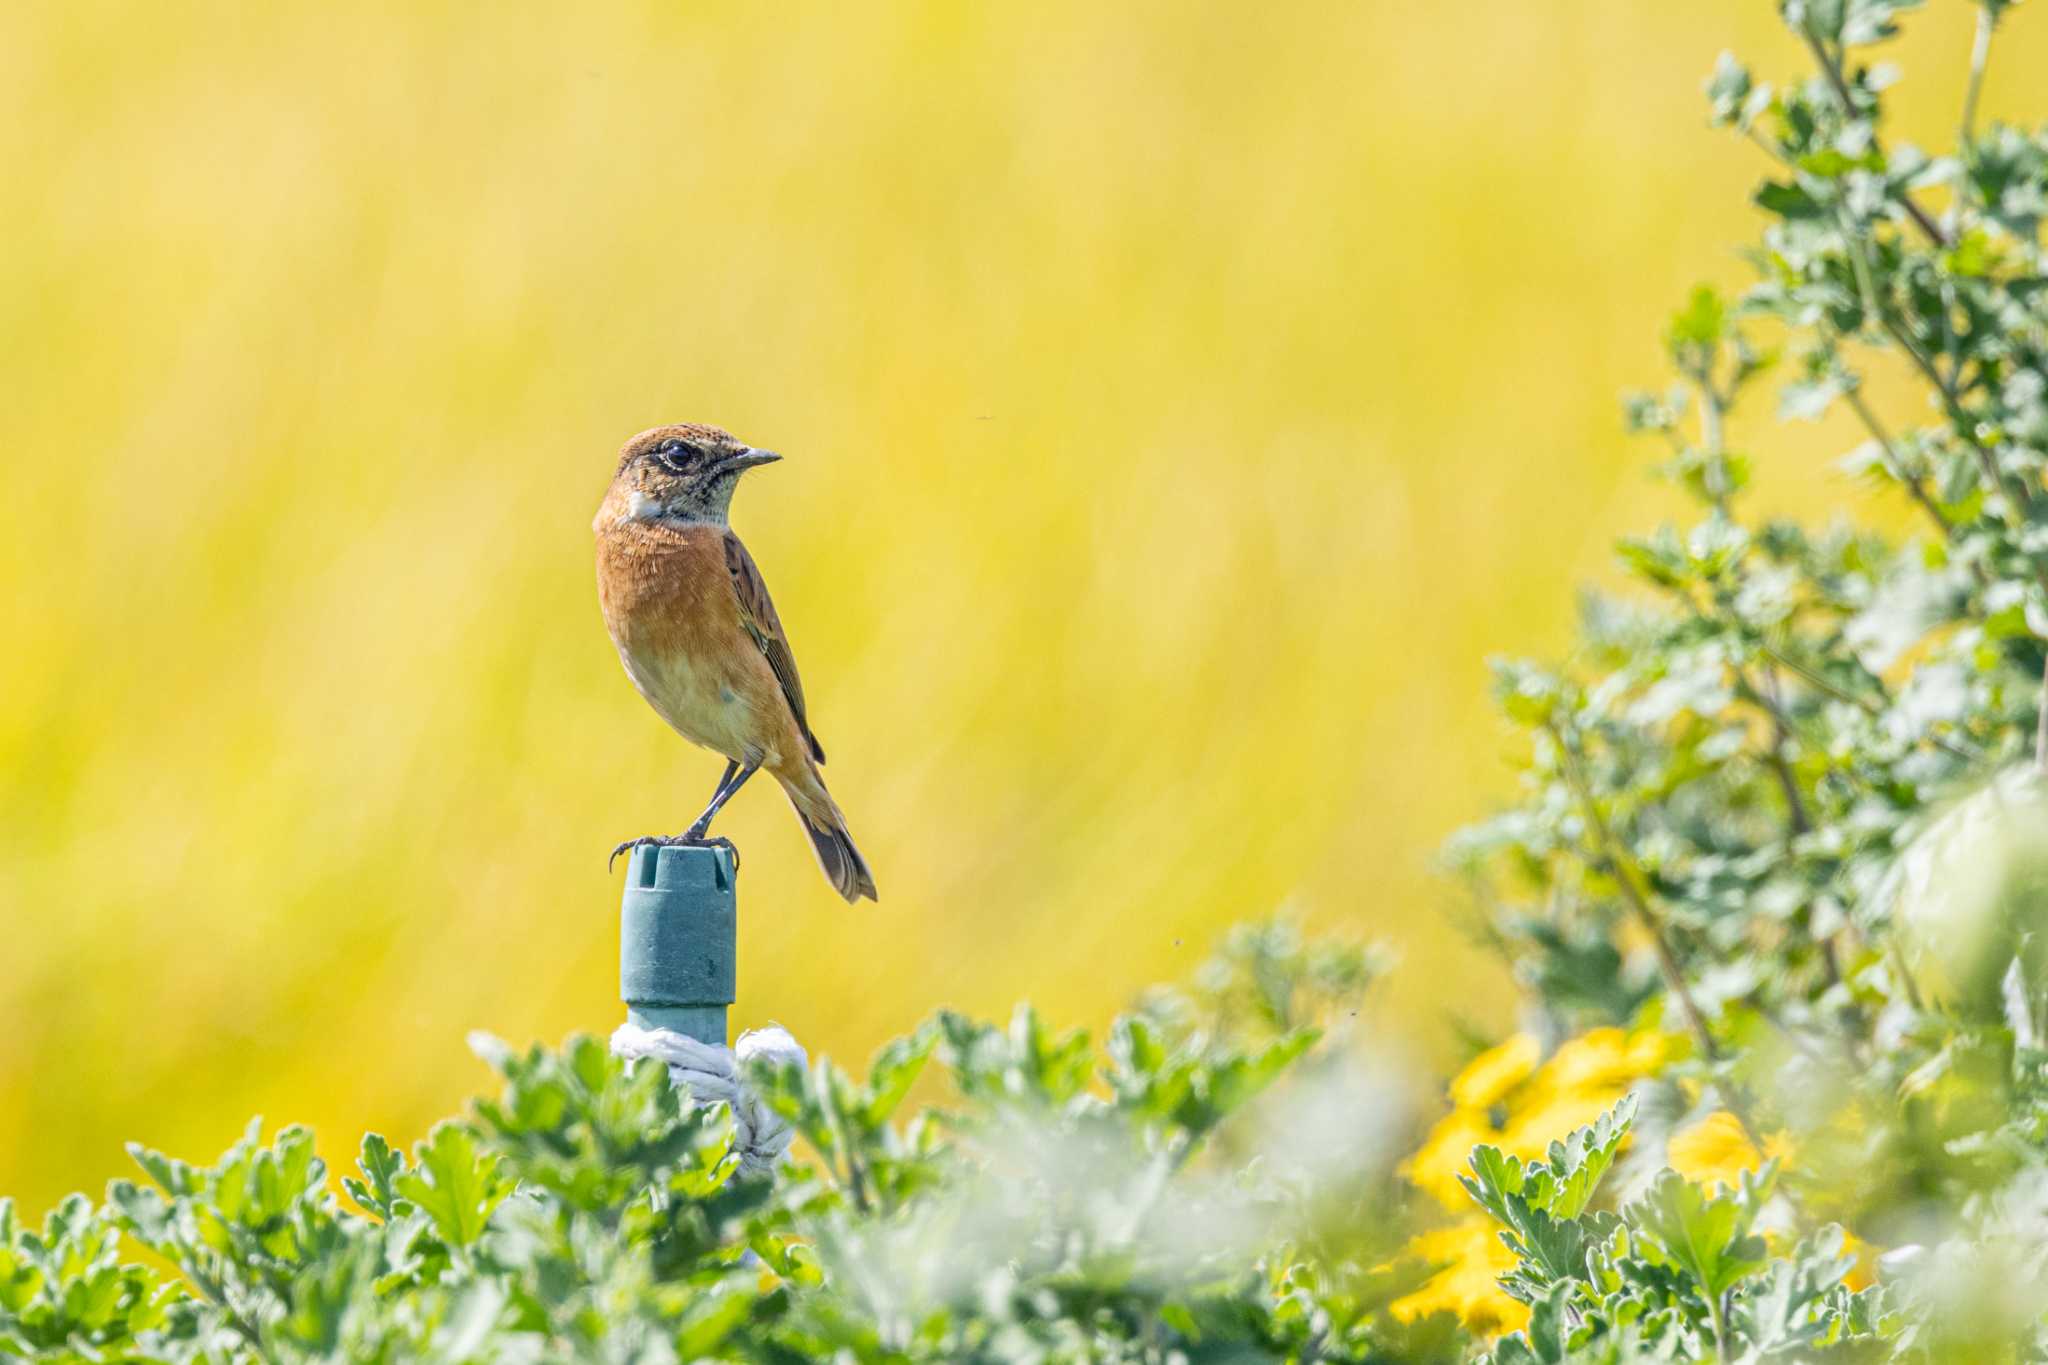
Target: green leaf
point(1728, 89)
point(172, 1175)
point(381, 1166)
point(1576, 1164)
point(1789, 202)
point(455, 1184)
point(1708, 1238)
point(895, 1069)
point(1702, 321)
point(712, 1318)
point(1809, 401)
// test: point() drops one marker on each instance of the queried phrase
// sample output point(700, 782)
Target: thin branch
point(2016, 500)
point(1779, 760)
point(1713, 441)
point(1905, 974)
point(1895, 463)
point(216, 1292)
point(1638, 900)
point(1922, 221)
point(1832, 69)
point(1776, 756)
point(1949, 348)
point(1788, 782)
point(1821, 683)
point(2041, 728)
point(1775, 153)
point(1712, 414)
point(1980, 54)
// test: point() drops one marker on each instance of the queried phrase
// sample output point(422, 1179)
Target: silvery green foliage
point(1787, 797)
point(1679, 1273)
point(1061, 1206)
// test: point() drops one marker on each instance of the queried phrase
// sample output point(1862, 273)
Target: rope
point(712, 1073)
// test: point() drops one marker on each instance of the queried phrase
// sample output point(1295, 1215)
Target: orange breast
point(668, 602)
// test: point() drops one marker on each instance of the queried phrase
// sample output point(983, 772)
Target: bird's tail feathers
point(841, 861)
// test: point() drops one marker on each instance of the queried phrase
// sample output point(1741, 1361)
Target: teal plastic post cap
point(678, 941)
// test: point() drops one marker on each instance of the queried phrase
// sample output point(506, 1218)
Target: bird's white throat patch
point(641, 507)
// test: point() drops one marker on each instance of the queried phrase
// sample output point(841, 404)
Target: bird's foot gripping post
point(678, 963)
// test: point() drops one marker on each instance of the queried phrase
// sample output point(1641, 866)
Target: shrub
point(1775, 885)
point(1136, 1202)
point(1787, 803)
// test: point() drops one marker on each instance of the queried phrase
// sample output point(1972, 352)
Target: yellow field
point(1180, 402)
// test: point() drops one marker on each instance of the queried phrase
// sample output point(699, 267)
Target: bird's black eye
point(672, 453)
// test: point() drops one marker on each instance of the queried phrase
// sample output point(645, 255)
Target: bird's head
point(684, 472)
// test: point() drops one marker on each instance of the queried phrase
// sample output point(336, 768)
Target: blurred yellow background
point(1180, 401)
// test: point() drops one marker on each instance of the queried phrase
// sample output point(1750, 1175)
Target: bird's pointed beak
point(750, 457)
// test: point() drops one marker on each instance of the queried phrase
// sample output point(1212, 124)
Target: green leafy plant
point(1059, 1208)
point(1542, 1204)
point(1788, 800)
point(1679, 1273)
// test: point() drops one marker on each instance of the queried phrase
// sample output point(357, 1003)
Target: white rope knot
point(759, 1135)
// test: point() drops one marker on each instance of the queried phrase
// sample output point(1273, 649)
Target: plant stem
point(1874, 311)
point(1818, 681)
point(1896, 464)
point(1821, 684)
point(855, 1183)
point(1711, 412)
point(1788, 784)
point(215, 1290)
point(1966, 427)
point(2017, 502)
point(1775, 755)
point(1773, 153)
point(2041, 728)
point(1912, 987)
point(1637, 899)
point(1796, 816)
point(1832, 69)
point(1795, 807)
point(1980, 53)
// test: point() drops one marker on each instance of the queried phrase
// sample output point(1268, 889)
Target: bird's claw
point(611, 862)
point(685, 840)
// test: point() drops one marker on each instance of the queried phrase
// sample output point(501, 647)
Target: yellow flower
point(1650, 1049)
point(1604, 1058)
point(1714, 1151)
point(1436, 1165)
point(1493, 1073)
point(1863, 1274)
point(1717, 1149)
point(1469, 1285)
point(1541, 1104)
point(1553, 1117)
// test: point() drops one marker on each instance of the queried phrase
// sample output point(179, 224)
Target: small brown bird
point(700, 638)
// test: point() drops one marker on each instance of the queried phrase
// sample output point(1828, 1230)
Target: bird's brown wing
point(757, 614)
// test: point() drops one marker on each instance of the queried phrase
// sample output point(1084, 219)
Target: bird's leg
point(695, 836)
point(732, 765)
point(726, 787)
